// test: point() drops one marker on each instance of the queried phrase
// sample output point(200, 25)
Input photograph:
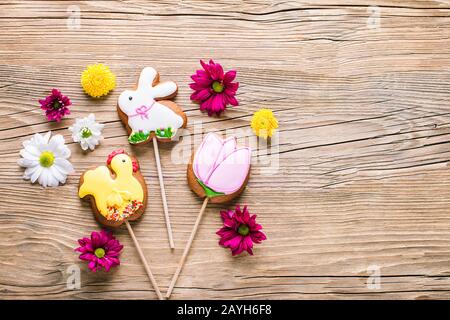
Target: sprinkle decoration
point(116, 214)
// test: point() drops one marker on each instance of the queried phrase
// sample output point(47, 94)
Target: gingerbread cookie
point(117, 192)
point(147, 113)
point(219, 169)
point(218, 172)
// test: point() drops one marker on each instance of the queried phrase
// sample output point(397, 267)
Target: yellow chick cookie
point(117, 190)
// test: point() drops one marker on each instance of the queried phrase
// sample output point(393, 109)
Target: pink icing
point(220, 165)
point(142, 111)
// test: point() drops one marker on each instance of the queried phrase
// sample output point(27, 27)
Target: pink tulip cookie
point(147, 111)
point(218, 172)
point(219, 169)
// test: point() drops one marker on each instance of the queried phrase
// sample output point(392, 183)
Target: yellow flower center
point(47, 159)
point(217, 86)
point(86, 132)
point(56, 105)
point(99, 252)
point(97, 79)
point(243, 230)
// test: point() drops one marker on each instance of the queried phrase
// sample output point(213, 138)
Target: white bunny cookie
point(146, 114)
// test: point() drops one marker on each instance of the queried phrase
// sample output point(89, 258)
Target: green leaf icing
point(209, 192)
point(164, 132)
point(139, 136)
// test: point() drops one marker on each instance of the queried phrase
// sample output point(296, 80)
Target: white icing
point(144, 113)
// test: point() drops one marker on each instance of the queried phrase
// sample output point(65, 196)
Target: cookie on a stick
point(117, 193)
point(218, 172)
point(148, 114)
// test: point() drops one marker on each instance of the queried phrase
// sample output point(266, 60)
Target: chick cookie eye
point(130, 98)
point(123, 160)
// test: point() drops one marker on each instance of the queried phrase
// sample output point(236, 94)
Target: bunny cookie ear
point(162, 90)
point(146, 78)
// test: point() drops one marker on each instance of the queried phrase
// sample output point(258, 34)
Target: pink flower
point(55, 105)
point(221, 167)
point(213, 89)
point(239, 231)
point(102, 250)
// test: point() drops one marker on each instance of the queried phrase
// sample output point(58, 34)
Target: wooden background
point(363, 179)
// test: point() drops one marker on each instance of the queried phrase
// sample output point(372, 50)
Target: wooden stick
point(163, 194)
point(186, 250)
point(144, 261)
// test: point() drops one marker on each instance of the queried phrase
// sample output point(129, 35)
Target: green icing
point(164, 133)
point(209, 192)
point(141, 136)
point(137, 137)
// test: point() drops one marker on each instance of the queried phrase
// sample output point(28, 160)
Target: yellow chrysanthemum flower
point(264, 123)
point(97, 80)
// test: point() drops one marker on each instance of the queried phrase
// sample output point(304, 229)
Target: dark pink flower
point(213, 88)
point(239, 230)
point(102, 250)
point(55, 105)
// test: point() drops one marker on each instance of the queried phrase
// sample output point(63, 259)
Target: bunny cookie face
point(145, 112)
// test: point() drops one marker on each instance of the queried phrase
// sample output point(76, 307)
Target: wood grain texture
point(363, 150)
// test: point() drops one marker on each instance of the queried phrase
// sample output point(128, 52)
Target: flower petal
point(46, 137)
point(64, 166)
point(201, 95)
point(207, 104)
point(216, 71)
point(232, 100)
point(231, 88)
point(229, 77)
point(87, 256)
point(258, 236)
point(27, 163)
point(27, 155)
point(32, 150)
point(56, 141)
point(216, 105)
point(43, 177)
point(58, 175)
point(233, 242)
point(34, 175)
point(93, 265)
point(96, 240)
point(200, 85)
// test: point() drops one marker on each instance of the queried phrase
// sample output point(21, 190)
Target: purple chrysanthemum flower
point(55, 105)
point(213, 88)
point(102, 250)
point(239, 231)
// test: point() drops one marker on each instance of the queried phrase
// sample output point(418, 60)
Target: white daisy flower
point(45, 160)
point(87, 132)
